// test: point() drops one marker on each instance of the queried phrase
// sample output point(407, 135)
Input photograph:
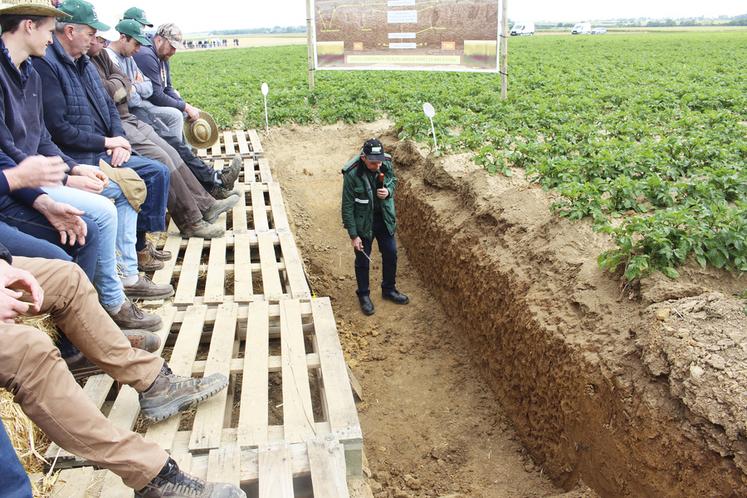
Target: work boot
point(146, 261)
point(219, 192)
point(203, 230)
point(131, 317)
point(145, 288)
point(230, 173)
point(395, 296)
point(218, 208)
point(174, 483)
point(367, 306)
point(170, 394)
point(158, 254)
point(142, 339)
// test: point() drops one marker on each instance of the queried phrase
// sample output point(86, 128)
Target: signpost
point(430, 112)
point(265, 90)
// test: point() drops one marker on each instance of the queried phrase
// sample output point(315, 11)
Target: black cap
point(373, 150)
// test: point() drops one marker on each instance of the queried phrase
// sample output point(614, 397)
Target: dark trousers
point(14, 483)
point(388, 250)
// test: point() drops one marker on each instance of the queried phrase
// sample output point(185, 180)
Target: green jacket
point(358, 199)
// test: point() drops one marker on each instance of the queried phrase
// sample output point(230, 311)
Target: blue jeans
point(112, 228)
point(14, 483)
point(388, 250)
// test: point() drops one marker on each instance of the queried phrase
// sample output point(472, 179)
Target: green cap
point(138, 15)
point(81, 12)
point(134, 29)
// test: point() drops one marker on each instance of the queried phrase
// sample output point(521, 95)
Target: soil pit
point(519, 368)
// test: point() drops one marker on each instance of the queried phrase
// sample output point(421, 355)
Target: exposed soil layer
point(514, 337)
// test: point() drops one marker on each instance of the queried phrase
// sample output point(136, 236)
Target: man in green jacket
point(368, 213)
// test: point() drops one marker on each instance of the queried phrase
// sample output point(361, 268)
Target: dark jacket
point(77, 110)
point(115, 82)
point(358, 198)
point(22, 129)
point(159, 74)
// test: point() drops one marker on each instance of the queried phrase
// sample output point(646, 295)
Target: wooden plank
point(73, 483)
point(243, 145)
point(163, 276)
point(254, 139)
point(279, 216)
point(187, 286)
point(115, 488)
point(215, 283)
point(208, 423)
point(249, 176)
point(253, 416)
point(242, 269)
point(275, 473)
point(271, 286)
point(297, 284)
point(230, 148)
point(264, 170)
point(215, 150)
point(238, 215)
point(274, 363)
point(182, 358)
point(298, 414)
point(327, 464)
point(224, 465)
point(259, 212)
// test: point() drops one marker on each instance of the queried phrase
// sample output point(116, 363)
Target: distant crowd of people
point(210, 43)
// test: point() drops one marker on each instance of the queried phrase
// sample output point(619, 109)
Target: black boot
point(395, 296)
point(367, 306)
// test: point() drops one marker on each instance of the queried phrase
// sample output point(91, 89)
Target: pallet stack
point(287, 425)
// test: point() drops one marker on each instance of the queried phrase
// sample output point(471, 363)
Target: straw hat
point(31, 8)
point(202, 132)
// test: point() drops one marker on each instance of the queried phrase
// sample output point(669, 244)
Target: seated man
point(23, 133)
point(82, 119)
point(31, 368)
point(192, 209)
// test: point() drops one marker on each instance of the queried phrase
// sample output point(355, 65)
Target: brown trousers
point(188, 199)
point(31, 368)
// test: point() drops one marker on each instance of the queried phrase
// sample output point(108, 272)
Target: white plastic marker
point(265, 91)
point(430, 112)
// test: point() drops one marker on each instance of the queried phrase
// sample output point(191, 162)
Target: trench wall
point(580, 417)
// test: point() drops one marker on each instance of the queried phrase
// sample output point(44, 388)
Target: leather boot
point(367, 306)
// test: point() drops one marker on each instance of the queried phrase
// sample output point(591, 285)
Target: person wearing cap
point(193, 210)
point(368, 213)
point(85, 124)
point(138, 15)
point(23, 133)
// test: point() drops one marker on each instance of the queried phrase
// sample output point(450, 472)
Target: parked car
point(598, 31)
point(522, 29)
point(581, 28)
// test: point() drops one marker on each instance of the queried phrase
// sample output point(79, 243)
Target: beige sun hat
point(31, 8)
point(202, 132)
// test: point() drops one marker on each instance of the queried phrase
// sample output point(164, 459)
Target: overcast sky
point(196, 16)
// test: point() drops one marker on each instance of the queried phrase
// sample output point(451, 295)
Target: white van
point(581, 28)
point(522, 29)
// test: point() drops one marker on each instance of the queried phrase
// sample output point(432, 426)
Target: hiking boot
point(80, 367)
point(367, 306)
point(230, 173)
point(131, 317)
point(218, 208)
point(219, 192)
point(145, 288)
point(142, 339)
point(174, 483)
point(158, 254)
point(203, 230)
point(146, 261)
point(170, 394)
point(395, 296)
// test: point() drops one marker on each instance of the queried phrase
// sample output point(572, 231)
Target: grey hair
point(61, 25)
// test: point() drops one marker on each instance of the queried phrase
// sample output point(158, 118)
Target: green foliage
point(644, 133)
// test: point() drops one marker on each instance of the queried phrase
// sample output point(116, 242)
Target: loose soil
point(518, 359)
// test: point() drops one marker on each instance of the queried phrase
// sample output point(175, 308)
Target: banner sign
point(432, 35)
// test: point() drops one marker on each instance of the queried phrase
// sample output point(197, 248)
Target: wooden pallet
point(230, 143)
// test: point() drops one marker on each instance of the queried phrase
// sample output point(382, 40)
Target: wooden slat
point(249, 176)
point(298, 414)
point(258, 208)
point(215, 150)
point(275, 473)
point(242, 272)
point(271, 286)
point(215, 283)
point(264, 170)
point(274, 362)
point(208, 423)
point(113, 487)
point(238, 215)
point(230, 148)
point(256, 145)
point(74, 483)
point(224, 465)
point(181, 362)
point(243, 145)
point(253, 417)
point(327, 464)
point(163, 276)
point(279, 216)
point(298, 287)
point(187, 286)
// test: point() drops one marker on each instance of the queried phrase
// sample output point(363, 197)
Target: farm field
point(644, 134)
